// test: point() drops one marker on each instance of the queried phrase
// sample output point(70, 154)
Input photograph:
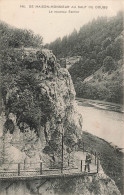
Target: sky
point(29, 14)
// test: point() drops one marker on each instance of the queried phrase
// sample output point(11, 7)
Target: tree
point(109, 63)
point(101, 56)
point(118, 48)
point(109, 50)
point(15, 38)
point(106, 42)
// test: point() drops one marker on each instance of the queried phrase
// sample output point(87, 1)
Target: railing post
point(18, 169)
point(24, 164)
point(83, 146)
point(68, 162)
point(40, 168)
point(81, 165)
point(97, 164)
point(62, 151)
point(61, 167)
point(95, 158)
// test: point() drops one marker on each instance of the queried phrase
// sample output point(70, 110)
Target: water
point(103, 123)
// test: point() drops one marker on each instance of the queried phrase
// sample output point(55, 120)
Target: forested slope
point(100, 45)
point(11, 39)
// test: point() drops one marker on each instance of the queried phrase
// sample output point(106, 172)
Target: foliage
point(109, 63)
point(22, 97)
point(94, 187)
point(109, 90)
point(11, 37)
point(100, 45)
point(95, 36)
point(20, 89)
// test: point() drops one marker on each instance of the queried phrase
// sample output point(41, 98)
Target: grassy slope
point(103, 85)
point(111, 158)
point(101, 77)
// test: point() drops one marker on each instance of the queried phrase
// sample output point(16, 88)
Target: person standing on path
point(87, 161)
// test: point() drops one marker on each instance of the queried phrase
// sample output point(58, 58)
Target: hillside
point(102, 85)
point(100, 45)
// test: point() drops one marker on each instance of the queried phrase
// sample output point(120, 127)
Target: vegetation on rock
point(40, 98)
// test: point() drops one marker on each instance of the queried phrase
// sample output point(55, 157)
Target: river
point(102, 119)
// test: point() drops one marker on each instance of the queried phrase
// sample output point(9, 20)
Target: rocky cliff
point(80, 185)
point(39, 107)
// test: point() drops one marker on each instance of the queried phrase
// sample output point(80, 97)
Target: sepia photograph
point(61, 97)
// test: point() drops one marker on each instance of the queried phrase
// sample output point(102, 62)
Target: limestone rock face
point(80, 185)
point(60, 92)
point(55, 100)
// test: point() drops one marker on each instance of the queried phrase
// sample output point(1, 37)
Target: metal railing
point(34, 169)
point(40, 168)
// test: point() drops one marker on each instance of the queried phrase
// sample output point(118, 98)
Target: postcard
point(61, 97)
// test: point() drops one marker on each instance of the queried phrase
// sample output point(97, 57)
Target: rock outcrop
point(38, 113)
point(80, 185)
